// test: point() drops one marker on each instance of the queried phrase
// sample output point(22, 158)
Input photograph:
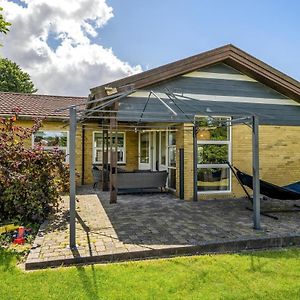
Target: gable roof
point(33, 105)
point(229, 54)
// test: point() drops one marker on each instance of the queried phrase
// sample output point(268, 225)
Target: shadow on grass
point(8, 259)
point(89, 284)
point(262, 261)
point(286, 253)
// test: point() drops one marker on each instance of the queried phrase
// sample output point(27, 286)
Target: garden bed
point(17, 239)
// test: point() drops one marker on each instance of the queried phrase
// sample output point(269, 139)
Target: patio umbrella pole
point(72, 145)
point(255, 163)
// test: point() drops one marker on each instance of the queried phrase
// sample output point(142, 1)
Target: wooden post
point(113, 155)
point(105, 160)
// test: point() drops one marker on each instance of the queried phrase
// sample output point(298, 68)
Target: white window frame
point(165, 165)
point(94, 149)
point(169, 166)
point(220, 166)
point(145, 166)
point(52, 147)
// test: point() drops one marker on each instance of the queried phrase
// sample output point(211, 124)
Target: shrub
point(31, 179)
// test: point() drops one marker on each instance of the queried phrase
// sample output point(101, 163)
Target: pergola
point(168, 108)
point(150, 97)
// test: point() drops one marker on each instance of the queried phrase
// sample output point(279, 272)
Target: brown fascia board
point(167, 71)
point(228, 54)
point(264, 73)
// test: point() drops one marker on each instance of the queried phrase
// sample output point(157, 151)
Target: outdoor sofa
point(135, 181)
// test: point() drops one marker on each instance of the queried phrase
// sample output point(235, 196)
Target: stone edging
point(231, 246)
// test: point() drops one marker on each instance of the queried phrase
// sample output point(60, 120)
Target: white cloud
point(76, 63)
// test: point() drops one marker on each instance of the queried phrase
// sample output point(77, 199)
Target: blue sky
point(155, 32)
point(69, 46)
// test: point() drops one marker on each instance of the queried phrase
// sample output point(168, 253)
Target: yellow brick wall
point(184, 139)
point(88, 151)
point(279, 153)
point(132, 159)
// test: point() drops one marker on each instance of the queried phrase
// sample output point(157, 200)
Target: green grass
point(257, 275)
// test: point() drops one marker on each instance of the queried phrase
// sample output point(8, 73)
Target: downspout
point(83, 154)
point(195, 163)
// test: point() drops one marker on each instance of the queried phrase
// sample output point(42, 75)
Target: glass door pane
point(162, 150)
point(144, 149)
point(172, 160)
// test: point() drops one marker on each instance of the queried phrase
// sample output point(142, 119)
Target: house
point(55, 129)
point(153, 116)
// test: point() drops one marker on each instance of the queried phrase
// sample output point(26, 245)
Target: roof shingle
point(33, 105)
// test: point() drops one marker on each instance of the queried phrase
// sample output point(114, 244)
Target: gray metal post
point(255, 164)
point(72, 147)
point(195, 164)
point(113, 155)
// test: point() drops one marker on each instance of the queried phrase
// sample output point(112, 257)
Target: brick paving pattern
point(149, 222)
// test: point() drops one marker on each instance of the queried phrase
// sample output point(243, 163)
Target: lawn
point(256, 275)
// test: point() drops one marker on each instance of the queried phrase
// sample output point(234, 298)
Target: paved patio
point(155, 225)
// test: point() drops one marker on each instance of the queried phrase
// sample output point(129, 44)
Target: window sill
point(119, 164)
point(214, 192)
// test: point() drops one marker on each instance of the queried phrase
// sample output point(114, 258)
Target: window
point(98, 147)
point(144, 147)
point(214, 150)
point(163, 148)
point(51, 140)
point(172, 160)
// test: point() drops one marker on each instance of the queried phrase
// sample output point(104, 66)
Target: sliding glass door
point(144, 151)
point(172, 160)
point(162, 151)
point(157, 152)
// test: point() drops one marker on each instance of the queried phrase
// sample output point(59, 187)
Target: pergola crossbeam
point(114, 115)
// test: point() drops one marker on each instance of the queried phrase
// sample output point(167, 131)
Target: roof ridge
point(267, 66)
point(43, 95)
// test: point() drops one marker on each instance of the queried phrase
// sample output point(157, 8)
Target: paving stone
point(152, 222)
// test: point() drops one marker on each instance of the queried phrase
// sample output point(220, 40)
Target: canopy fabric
point(135, 109)
point(269, 189)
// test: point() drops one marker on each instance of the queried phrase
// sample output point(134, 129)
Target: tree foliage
point(31, 179)
point(4, 26)
point(14, 79)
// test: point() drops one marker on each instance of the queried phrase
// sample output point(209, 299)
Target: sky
point(69, 46)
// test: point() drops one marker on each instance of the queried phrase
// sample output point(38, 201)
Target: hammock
point(288, 192)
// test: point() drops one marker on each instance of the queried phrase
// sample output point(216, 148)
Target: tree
point(14, 79)
point(3, 24)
